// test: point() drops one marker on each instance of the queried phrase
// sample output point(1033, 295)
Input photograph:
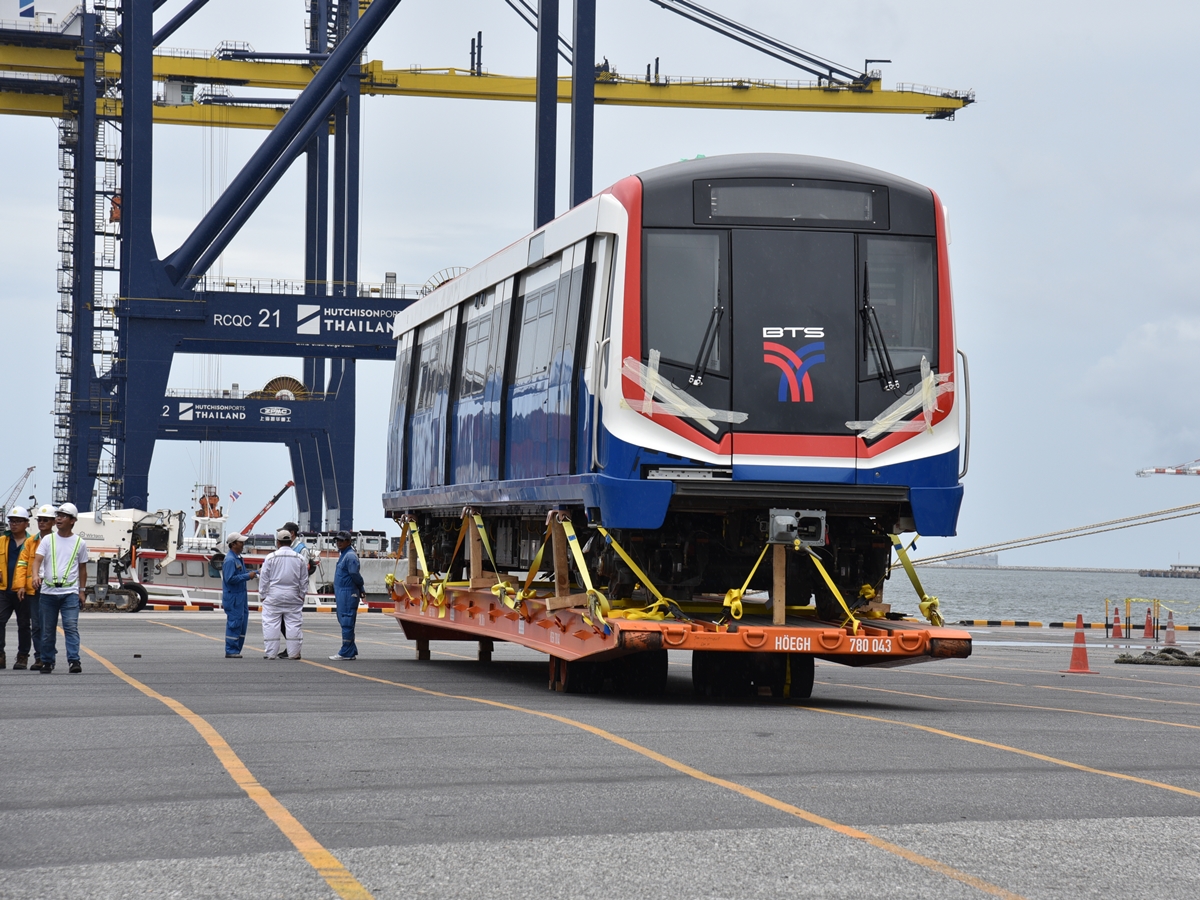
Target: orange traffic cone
point(1117, 632)
point(1169, 639)
point(1148, 632)
point(1079, 660)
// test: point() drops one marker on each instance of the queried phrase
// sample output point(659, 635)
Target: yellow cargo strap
point(526, 590)
point(928, 605)
point(390, 578)
point(836, 593)
point(597, 602)
point(733, 596)
point(656, 611)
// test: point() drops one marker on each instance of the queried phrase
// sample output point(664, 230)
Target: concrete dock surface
point(166, 770)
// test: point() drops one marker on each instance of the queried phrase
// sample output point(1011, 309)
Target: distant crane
point(1192, 468)
point(267, 508)
point(16, 489)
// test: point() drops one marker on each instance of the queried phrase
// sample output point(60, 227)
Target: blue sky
point(1073, 189)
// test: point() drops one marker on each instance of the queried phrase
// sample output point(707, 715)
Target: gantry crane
point(95, 72)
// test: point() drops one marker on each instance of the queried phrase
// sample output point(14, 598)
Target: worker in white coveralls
point(282, 583)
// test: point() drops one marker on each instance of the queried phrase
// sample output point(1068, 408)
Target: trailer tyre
point(643, 674)
point(583, 677)
point(803, 670)
point(142, 596)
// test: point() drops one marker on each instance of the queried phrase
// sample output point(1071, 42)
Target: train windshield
point(682, 290)
point(900, 276)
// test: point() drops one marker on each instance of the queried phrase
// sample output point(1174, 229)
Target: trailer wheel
point(702, 672)
point(803, 671)
point(716, 674)
point(143, 597)
point(583, 677)
point(643, 674)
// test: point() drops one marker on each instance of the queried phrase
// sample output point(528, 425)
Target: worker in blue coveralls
point(347, 587)
point(234, 601)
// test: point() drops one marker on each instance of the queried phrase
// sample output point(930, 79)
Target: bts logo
point(794, 366)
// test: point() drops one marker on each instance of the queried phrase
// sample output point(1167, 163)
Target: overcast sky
point(1072, 186)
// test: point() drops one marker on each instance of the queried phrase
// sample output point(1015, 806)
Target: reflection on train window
point(901, 281)
point(195, 568)
point(175, 568)
point(535, 341)
point(475, 343)
point(430, 368)
point(682, 276)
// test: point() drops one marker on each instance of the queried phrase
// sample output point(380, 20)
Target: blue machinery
point(115, 350)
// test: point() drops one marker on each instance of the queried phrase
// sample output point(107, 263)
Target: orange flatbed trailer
point(572, 634)
point(558, 621)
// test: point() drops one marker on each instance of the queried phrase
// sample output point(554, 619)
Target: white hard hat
point(45, 511)
point(69, 509)
point(283, 535)
point(19, 512)
point(234, 538)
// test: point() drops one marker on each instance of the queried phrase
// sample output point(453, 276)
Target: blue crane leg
point(545, 113)
point(583, 90)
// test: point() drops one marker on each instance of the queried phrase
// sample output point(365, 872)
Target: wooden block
point(566, 602)
point(779, 584)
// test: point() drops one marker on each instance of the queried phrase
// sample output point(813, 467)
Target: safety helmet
point(45, 511)
point(69, 509)
point(19, 512)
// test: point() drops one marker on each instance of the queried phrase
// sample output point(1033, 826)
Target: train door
point(794, 338)
point(527, 412)
point(686, 309)
point(471, 443)
point(397, 443)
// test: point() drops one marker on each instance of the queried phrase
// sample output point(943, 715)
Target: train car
point(701, 361)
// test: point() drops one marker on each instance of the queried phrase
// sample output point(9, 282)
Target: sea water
point(1044, 595)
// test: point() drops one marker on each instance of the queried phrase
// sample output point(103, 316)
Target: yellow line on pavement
point(335, 874)
point(767, 800)
point(1061, 709)
point(1054, 760)
point(1050, 687)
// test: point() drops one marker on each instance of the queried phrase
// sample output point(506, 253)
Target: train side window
point(430, 366)
point(194, 568)
point(901, 279)
point(498, 349)
point(477, 315)
point(175, 568)
point(682, 276)
point(535, 339)
point(400, 398)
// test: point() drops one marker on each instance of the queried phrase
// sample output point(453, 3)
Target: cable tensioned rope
point(1150, 518)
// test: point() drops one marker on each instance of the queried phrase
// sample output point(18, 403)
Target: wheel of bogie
point(143, 597)
point(643, 674)
point(803, 670)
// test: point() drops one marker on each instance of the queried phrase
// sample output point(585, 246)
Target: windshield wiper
point(710, 336)
point(873, 338)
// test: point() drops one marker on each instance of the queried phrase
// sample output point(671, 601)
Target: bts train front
point(682, 360)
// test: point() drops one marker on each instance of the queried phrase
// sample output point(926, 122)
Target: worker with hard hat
point(45, 524)
point(282, 584)
point(347, 588)
point(61, 575)
point(17, 548)
point(234, 600)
